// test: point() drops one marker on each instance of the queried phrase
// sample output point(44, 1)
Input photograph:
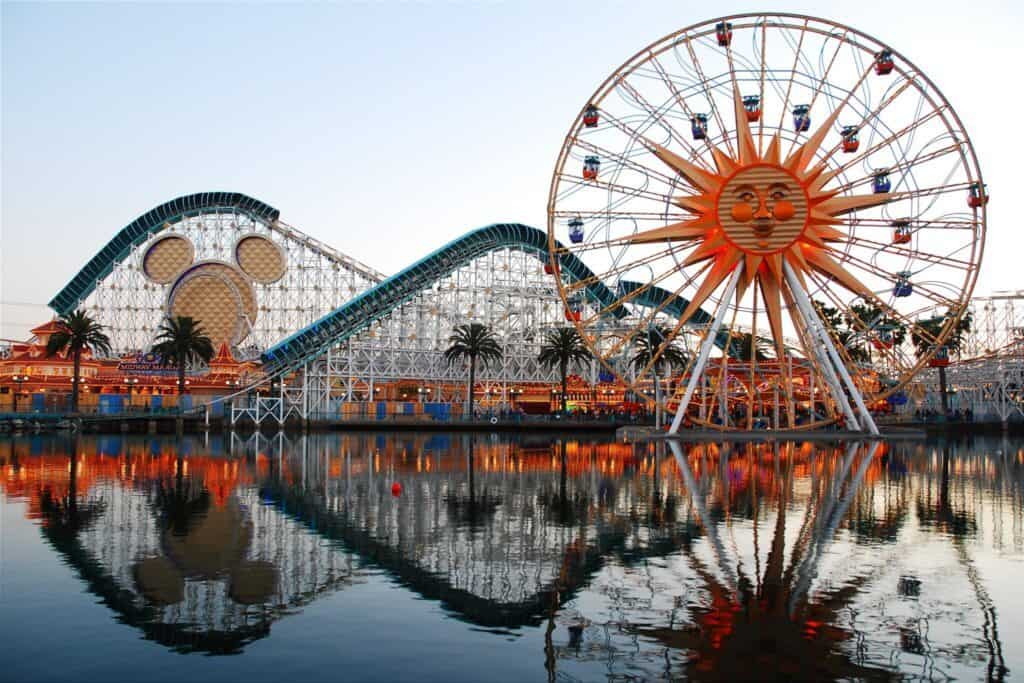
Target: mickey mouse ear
point(260, 258)
point(166, 257)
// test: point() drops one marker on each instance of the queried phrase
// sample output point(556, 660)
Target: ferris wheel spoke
point(892, 277)
point(659, 216)
point(910, 254)
point(634, 134)
point(625, 190)
point(902, 167)
point(707, 93)
point(617, 269)
point(681, 101)
point(908, 130)
point(624, 160)
point(646, 321)
point(849, 314)
point(653, 113)
point(821, 82)
point(760, 88)
point(789, 87)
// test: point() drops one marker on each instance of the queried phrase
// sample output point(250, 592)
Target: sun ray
point(828, 267)
point(700, 179)
point(771, 295)
point(719, 272)
point(838, 206)
point(675, 232)
point(744, 138)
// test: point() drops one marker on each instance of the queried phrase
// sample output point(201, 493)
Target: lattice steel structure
point(987, 376)
point(130, 295)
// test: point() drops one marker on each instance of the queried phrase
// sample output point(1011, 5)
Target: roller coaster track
point(357, 314)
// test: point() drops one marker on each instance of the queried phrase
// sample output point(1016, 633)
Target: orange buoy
point(396, 489)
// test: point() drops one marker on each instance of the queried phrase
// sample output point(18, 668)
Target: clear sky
point(384, 129)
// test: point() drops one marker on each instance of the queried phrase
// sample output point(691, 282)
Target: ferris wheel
point(791, 197)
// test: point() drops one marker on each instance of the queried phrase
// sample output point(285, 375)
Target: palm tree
point(562, 346)
point(747, 348)
point(475, 342)
point(922, 336)
point(77, 332)
point(181, 341)
point(648, 344)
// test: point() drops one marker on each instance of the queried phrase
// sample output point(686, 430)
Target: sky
point(384, 129)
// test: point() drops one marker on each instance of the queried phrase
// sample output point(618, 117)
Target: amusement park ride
point(788, 197)
point(769, 166)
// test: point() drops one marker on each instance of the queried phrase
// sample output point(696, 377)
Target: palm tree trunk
point(76, 379)
point(565, 384)
point(942, 390)
point(657, 398)
point(181, 379)
point(472, 385)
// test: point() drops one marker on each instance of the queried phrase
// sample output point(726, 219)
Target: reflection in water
point(806, 560)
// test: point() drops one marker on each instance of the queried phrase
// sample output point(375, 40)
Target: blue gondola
point(801, 118)
point(605, 376)
point(576, 230)
point(903, 287)
point(881, 183)
point(699, 126)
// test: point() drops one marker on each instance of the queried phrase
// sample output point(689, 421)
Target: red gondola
point(884, 63)
point(752, 105)
point(883, 340)
point(977, 196)
point(548, 270)
point(573, 315)
point(723, 31)
point(591, 165)
point(851, 143)
point(940, 359)
point(901, 232)
point(590, 116)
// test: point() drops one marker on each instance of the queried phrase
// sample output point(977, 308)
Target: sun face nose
point(762, 213)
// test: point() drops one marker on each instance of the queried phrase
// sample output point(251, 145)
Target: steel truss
point(318, 279)
point(988, 375)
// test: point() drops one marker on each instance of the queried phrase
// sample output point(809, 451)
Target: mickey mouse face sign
point(218, 294)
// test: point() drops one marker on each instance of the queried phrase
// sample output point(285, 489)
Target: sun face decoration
point(756, 212)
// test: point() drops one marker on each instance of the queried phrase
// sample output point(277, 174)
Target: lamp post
point(18, 381)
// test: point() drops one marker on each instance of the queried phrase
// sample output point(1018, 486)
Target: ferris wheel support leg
point(705, 351)
point(814, 323)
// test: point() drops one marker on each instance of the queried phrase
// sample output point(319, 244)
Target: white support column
point(814, 323)
point(705, 350)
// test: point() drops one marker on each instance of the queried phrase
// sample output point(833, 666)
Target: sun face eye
point(746, 196)
point(778, 194)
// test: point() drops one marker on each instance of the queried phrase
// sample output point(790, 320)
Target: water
point(522, 558)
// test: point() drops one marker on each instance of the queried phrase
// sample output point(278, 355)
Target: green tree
point(746, 348)
point(561, 347)
point(473, 342)
point(180, 341)
point(655, 339)
point(77, 332)
point(924, 333)
point(843, 331)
